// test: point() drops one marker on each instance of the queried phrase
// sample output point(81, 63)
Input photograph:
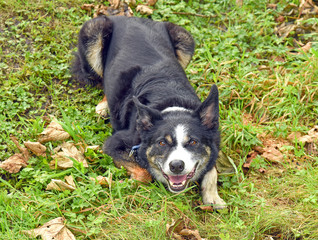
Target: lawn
point(263, 56)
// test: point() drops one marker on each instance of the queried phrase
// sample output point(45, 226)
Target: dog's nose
point(176, 166)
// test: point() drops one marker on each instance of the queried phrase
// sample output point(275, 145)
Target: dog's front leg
point(209, 190)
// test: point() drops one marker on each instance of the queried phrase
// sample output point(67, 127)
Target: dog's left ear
point(209, 109)
point(145, 115)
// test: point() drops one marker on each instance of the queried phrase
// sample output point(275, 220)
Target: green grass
point(260, 99)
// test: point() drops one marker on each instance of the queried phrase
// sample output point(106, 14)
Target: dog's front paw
point(217, 202)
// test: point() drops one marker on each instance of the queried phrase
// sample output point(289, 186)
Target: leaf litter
point(120, 8)
point(293, 22)
point(19, 160)
point(59, 185)
point(52, 230)
point(64, 154)
point(181, 230)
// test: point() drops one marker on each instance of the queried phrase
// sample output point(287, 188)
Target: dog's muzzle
point(178, 183)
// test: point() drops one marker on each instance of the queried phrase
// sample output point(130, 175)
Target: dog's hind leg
point(209, 190)
point(93, 42)
point(183, 43)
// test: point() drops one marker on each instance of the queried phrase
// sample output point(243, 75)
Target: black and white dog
point(153, 108)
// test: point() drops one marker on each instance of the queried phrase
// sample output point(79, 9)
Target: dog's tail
point(89, 62)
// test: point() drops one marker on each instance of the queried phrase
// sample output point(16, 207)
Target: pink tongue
point(177, 179)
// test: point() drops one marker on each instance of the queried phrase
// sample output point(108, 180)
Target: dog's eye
point(162, 143)
point(193, 142)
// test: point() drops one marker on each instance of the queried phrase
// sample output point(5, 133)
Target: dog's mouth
point(178, 183)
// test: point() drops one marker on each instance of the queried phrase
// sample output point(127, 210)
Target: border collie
point(154, 111)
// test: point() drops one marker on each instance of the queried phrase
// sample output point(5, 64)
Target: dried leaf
point(53, 132)
point(23, 150)
point(59, 185)
point(70, 180)
point(106, 181)
point(114, 3)
point(190, 233)
point(180, 228)
point(152, 2)
point(302, 50)
point(37, 148)
point(273, 155)
point(175, 227)
point(272, 6)
point(14, 163)
point(63, 160)
point(294, 136)
point(249, 159)
point(225, 165)
point(88, 7)
point(262, 170)
point(144, 10)
point(285, 29)
point(312, 136)
point(54, 229)
point(206, 208)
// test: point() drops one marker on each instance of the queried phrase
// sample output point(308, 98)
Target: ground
point(262, 55)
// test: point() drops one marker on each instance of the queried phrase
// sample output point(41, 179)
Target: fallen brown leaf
point(271, 154)
point(180, 229)
point(285, 29)
point(249, 159)
point(59, 185)
point(14, 163)
point(62, 159)
point(37, 148)
point(206, 208)
point(294, 136)
point(114, 3)
point(272, 5)
point(54, 229)
point(312, 136)
point(106, 181)
point(87, 7)
point(144, 10)
point(23, 150)
point(190, 233)
point(53, 132)
point(175, 226)
point(302, 50)
point(152, 2)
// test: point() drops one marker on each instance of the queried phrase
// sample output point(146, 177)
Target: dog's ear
point(145, 115)
point(209, 109)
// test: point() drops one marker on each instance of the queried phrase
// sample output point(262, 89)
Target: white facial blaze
point(180, 152)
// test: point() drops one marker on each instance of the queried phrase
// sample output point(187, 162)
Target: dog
point(160, 126)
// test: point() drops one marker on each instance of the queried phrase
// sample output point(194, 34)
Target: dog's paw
point(217, 202)
point(102, 108)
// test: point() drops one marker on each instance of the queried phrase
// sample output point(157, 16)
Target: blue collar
point(134, 150)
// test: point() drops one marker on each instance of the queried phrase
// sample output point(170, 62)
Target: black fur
point(142, 74)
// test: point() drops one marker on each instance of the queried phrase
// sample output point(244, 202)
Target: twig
point(195, 14)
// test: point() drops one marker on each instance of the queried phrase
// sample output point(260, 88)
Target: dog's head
point(179, 145)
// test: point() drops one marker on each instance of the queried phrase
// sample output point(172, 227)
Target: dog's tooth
point(184, 182)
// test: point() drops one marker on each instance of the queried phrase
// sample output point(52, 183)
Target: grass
point(261, 100)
